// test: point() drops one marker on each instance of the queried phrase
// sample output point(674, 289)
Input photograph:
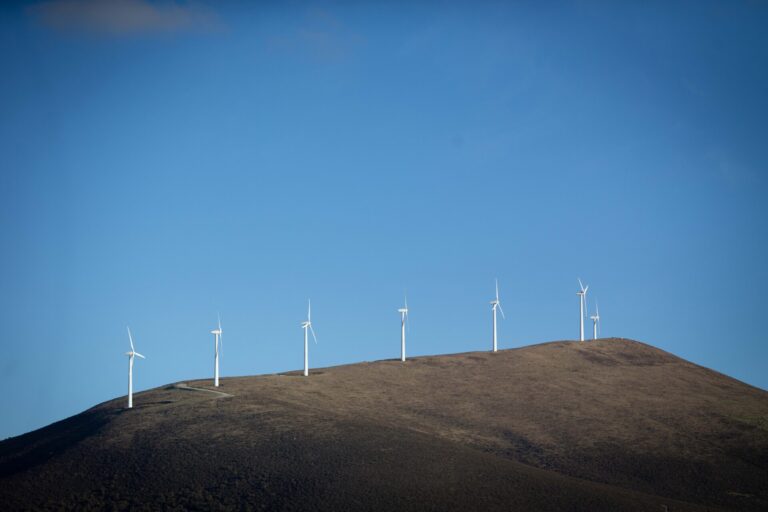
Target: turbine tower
point(130, 368)
point(307, 326)
point(217, 342)
point(595, 321)
point(403, 319)
point(582, 303)
point(496, 304)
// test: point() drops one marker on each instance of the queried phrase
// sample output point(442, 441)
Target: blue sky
point(162, 162)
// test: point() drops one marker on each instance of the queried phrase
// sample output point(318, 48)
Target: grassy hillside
point(606, 425)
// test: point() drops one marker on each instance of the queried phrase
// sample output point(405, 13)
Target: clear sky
point(164, 161)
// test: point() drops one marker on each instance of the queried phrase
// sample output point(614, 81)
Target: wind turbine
point(130, 368)
point(582, 303)
point(595, 321)
point(403, 319)
point(217, 341)
point(496, 304)
point(307, 326)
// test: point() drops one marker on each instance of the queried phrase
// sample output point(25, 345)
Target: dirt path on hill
point(184, 386)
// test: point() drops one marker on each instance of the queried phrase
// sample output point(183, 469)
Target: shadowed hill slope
point(606, 425)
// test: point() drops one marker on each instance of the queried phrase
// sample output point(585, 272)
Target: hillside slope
point(606, 425)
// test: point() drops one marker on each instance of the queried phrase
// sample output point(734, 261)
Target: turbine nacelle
point(307, 324)
point(133, 350)
point(131, 355)
point(406, 324)
point(218, 343)
point(596, 321)
point(583, 311)
point(496, 303)
point(218, 330)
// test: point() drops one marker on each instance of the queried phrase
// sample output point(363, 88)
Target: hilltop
point(612, 424)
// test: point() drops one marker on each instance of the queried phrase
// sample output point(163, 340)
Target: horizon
point(166, 161)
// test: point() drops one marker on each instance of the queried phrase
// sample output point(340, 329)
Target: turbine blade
point(580, 285)
point(130, 338)
point(219, 317)
point(313, 333)
point(139, 355)
point(309, 310)
point(501, 310)
point(497, 290)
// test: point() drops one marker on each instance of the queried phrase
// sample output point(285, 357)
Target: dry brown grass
point(607, 425)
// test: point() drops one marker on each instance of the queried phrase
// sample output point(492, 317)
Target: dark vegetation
point(607, 425)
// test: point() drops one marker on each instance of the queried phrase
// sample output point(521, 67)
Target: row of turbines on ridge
point(307, 327)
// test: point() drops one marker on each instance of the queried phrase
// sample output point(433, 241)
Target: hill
point(607, 425)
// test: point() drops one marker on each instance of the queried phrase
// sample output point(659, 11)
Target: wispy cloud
point(123, 17)
point(317, 33)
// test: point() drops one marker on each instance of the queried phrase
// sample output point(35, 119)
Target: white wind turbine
point(130, 368)
point(496, 304)
point(217, 342)
point(595, 321)
point(403, 319)
point(307, 326)
point(582, 306)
